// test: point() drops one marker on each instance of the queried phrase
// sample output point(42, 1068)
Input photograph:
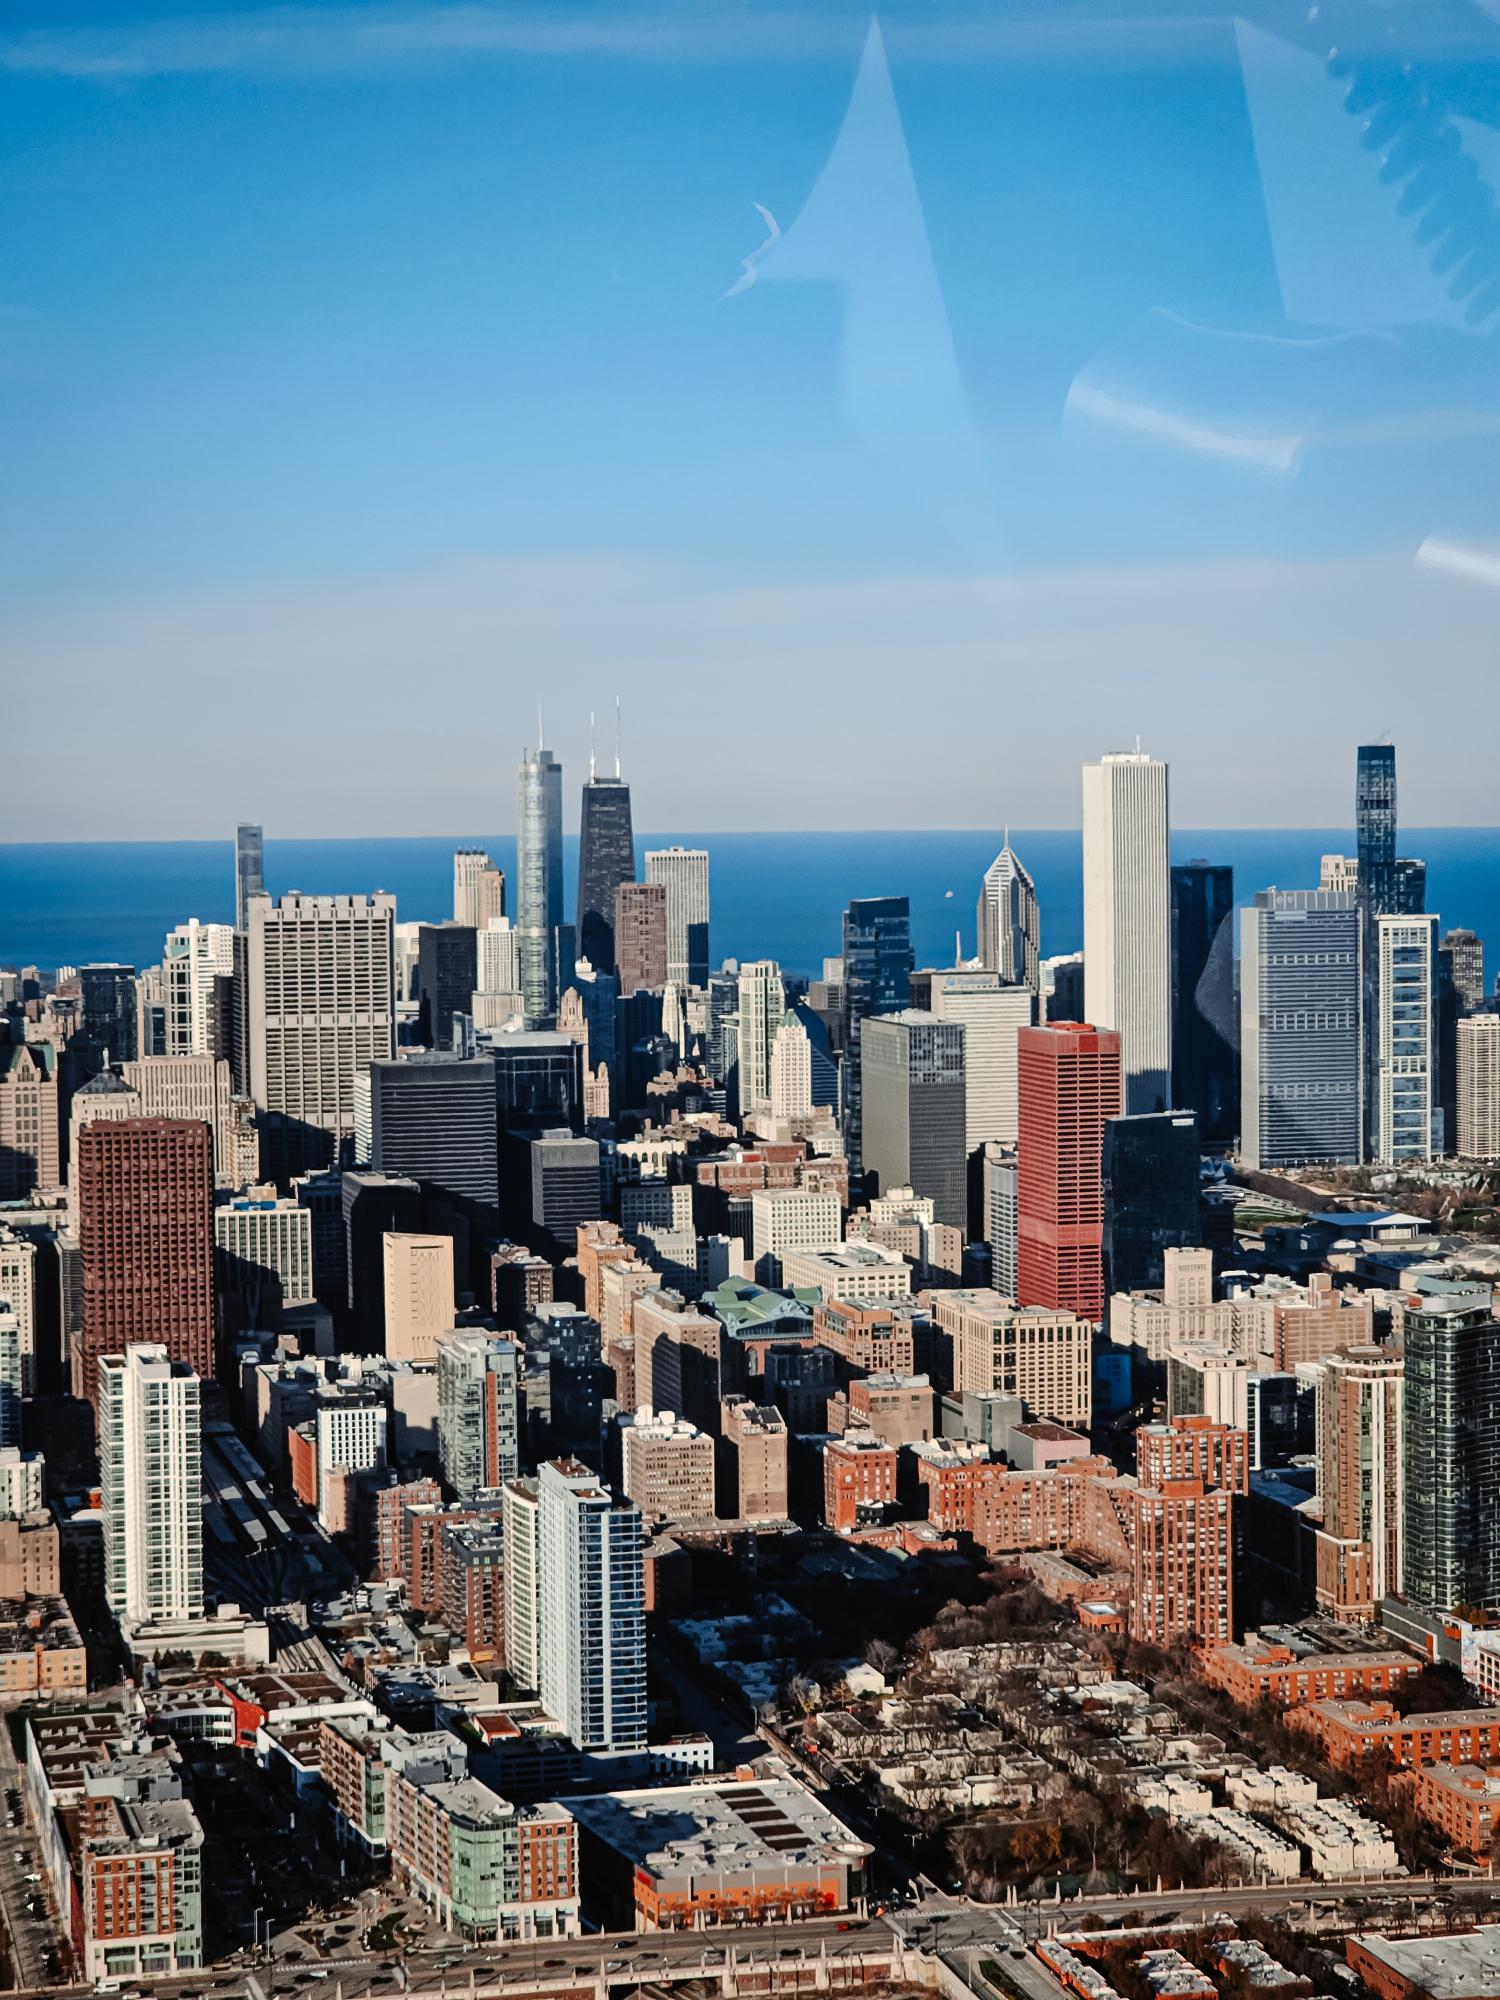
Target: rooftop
point(730, 1824)
point(1462, 1967)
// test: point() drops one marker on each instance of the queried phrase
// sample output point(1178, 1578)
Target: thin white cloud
point(1474, 565)
point(1277, 453)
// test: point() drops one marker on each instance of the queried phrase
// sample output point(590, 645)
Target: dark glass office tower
point(1150, 1196)
point(606, 858)
point(433, 1120)
point(1379, 895)
point(1451, 1455)
point(1205, 1021)
point(447, 974)
point(249, 869)
point(107, 1008)
point(877, 980)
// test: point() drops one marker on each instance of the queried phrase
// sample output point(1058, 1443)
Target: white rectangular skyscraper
point(684, 870)
point(151, 1480)
point(1300, 1087)
point(1408, 1120)
point(993, 1013)
point(1127, 919)
point(591, 1609)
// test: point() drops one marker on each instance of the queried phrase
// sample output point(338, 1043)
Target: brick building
point(859, 1482)
point(1348, 1732)
point(1070, 1084)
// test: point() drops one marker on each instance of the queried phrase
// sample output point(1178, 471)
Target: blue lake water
point(773, 895)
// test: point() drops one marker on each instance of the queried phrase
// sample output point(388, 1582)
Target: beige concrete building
point(1478, 1136)
point(851, 1271)
point(677, 1359)
point(418, 1294)
point(30, 1138)
point(620, 1286)
point(667, 1466)
point(753, 1456)
point(783, 1219)
point(197, 1086)
point(29, 1561)
point(1039, 1353)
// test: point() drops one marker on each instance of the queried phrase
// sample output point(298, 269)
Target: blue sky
point(367, 371)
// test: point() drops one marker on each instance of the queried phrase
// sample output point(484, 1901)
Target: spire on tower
point(591, 746)
point(617, 736)
point(541, 737)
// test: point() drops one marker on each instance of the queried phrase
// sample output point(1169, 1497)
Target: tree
point(1036, 1845)
point(882, 1656)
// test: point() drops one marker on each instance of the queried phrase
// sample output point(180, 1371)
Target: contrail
point(747, 264)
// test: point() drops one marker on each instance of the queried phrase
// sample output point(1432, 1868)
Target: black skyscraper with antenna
point(606, 857)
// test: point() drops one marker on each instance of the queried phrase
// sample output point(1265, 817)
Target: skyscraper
point(1008, 922)
point(418, 1293)
point(640, 937)
point(478, 888)
point(520, 1512)
point(447, 978)
point(249, 871)
point(1070, 1087)
point(1478, 1092)
point(1451, 1494)
point(1205, 1026)
point(1460, 993)
point(1378, 893)
point(1300, 1092)
point(145, 1191)
point(1150, 1168)
point(591, 1609)
point(912, 1088)
point(1408, 1117)
point(606, 858)
point(108, 1013)
point(762, 1009)
point(194, 958)
point(1361, 1396)
point(684, 871)
point(433, 1117)
point(539, 891)
point(321, 1006)
point(1127, 919)
point(993, 1012)
point(877, 980)
point(478, 1378)
point(151, 1485)
point(791, 1070)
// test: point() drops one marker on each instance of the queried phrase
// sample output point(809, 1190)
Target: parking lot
point(37, 1957)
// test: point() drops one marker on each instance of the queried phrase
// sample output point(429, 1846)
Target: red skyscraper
point(145, 1191)
point(1069, 1085)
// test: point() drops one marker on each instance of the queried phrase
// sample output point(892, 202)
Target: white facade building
point(520, 1513)
point(321, 1007)
point(1408, 1116)
point(1478, 1136)
point(151, 1480)
point(1127, 920)
point(783, 1219)
point(193, 957)
point(762, 1009)
point(791, 1070)
point(256, 1232)
point(18, 1289)
point(993, 1014)
point(198, 1086)
point(684, 870)
point(591, 1605)
point(478, 888)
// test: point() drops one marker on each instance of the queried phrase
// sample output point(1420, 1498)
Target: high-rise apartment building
point(144, 1191)
point(1378, 895)
point(762, 1009)
point(1205, 1021)
point(521, 1513)
point(1460, 994)
point(1451, 1451)
point(418, 1293)
point(478, 889)
point(1300, 1088)
point(195, 958)
point(1408, 1114)
point(1008, 923)
point(1461, 963)
point(1361, 1399)
point(478, 1384)
point(640, 936)
point(263, 1255)
point(606, 859)
point(1070, 1085)
point(539, 890)
point(915, 1109)
point(1001, 1196)
point(993, 1013)
point(30, 1133)
point(1127, 920)
point(791, 1070)
point(877, 962)
point(447, 978)
point(321, 1007)
point(684, 873)
point(591, 1609)
point(151, 1484)
point(1151, 1198)
point(249, 872)
point(1477, 1049)
point(753, 1454)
